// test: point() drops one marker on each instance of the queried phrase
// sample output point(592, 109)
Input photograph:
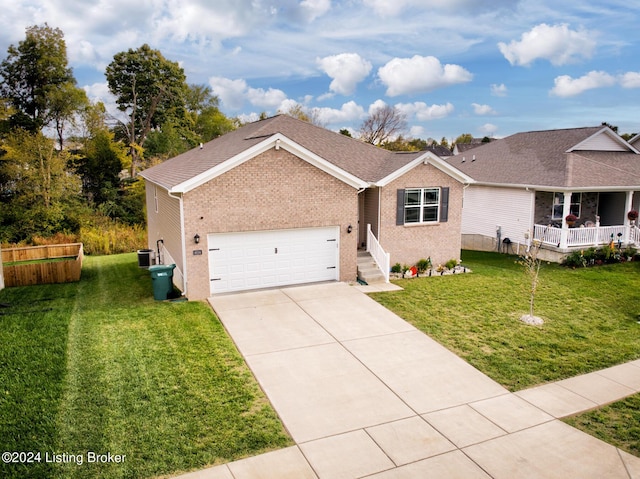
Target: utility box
point(145, 257)
point(162, 277)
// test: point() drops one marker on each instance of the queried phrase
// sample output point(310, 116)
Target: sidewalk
point(364, 394)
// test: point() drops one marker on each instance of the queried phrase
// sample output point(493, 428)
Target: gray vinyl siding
point(164, 223)
point(371, 210)
point(601, 142)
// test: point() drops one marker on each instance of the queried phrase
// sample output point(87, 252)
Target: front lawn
point(591, 317)
point(99, 366)
point(617, 424)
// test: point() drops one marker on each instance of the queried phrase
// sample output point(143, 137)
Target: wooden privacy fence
point(61, 263)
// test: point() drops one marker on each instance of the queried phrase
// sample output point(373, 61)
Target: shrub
point(452, 263)
point(113, 238)
point(423, 265)
point(396, 268)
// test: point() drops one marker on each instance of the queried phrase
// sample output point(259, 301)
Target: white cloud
point(346, 70)
point(271, 98)
point(349, 111)
point(482, 109)
point(385, 8)
point(566, 86)
point(420, 74)
point(234, 93)
point(230, 92)
point(488, 129)
point(499, 90)
point(376, 105)
point(423, 112)
point(313, 9)
point(630, 80)
point(556, 43)
point(416, 131)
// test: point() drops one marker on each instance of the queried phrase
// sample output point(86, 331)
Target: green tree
point(39, 196)
point(66, 102)
point(32, 73)
point(150, 89)
point(464, 138)
point(207, 119)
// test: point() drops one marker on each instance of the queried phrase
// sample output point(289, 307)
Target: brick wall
point(275, 190)
point(408, 244)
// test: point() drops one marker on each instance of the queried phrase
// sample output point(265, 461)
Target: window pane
point(430, 213)
point(412, 197)
point(431, 196)
point(412, 215)
point(557, 212)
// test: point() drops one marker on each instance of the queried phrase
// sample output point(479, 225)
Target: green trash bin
point(162, 277)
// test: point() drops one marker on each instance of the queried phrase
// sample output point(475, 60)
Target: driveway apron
point(364, 393)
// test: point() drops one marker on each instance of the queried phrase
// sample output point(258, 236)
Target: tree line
point(65, 162)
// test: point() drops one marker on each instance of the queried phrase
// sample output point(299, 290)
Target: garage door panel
point(253, 260)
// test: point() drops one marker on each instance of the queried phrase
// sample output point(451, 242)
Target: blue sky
point(452, 66)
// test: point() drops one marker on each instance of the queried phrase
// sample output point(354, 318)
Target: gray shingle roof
point(365, 161)
point(540, 158)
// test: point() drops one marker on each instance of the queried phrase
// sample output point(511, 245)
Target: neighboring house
point(526, 184)
point(441, 151)
point(281, 201)
point(474, 143)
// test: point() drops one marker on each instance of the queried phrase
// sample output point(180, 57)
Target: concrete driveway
point(363, 393)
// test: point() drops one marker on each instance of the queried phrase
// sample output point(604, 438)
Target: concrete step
point(368, 270)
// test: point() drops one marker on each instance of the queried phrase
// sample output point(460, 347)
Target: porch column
point(566, 209)
point(627, 222)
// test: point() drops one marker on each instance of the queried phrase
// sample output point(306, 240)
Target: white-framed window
point(421, 205)
point(155, 197)
point(558, 204)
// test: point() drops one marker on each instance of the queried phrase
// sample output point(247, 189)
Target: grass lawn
point(617, 424)
point(100, 366)
point(590, 317)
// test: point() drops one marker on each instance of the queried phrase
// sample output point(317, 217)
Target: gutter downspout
point(184, 243)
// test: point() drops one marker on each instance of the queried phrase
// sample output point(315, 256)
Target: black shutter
point(444, 204)
point(400, 208)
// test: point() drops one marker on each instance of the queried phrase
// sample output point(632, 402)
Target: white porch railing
point(380, 256)
point(587, 236)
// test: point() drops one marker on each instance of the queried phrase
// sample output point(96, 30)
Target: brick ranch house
point(281, 201)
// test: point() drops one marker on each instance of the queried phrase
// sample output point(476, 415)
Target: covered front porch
point(565, 238)
point(570, 220)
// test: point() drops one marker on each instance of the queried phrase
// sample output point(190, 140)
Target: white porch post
point(566, 209)
point(627, 222)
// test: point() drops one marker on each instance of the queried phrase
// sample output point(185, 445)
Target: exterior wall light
point(196, 238)
point(349, 229)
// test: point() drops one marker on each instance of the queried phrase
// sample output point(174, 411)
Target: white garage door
point(264, 259)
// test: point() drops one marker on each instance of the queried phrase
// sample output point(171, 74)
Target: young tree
point(531, 263)
point(382, 125)
point(31, 75)
point(150, 89)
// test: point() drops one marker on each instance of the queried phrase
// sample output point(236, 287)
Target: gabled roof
point(354, 162)
point(594, 157)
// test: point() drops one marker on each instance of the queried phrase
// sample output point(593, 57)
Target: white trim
point(562, 189)
point(275, 141)
point(613, 135)
point(428, 158)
